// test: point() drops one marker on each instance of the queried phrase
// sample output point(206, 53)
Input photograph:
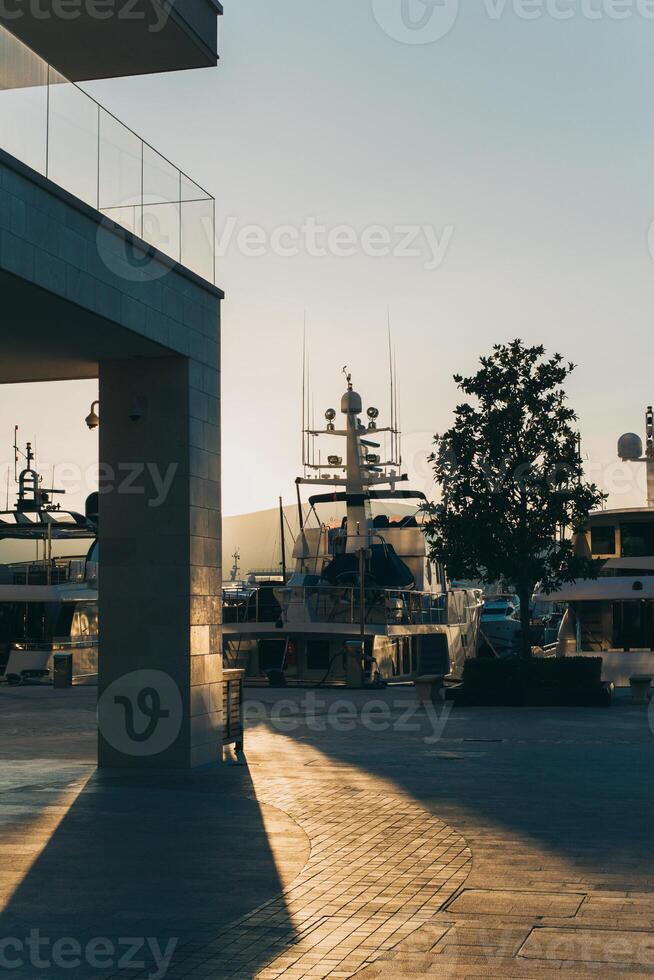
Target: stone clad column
point(160, 691)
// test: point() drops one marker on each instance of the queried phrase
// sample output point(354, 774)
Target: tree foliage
point(511, 477)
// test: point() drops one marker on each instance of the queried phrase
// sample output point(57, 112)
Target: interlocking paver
point(417, 852)
point(554, 811)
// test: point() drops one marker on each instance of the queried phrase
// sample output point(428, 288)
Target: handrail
point(342, 604)
point(37, 568)
point(56, 645)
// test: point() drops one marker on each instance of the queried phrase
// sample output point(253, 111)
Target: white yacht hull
point(501, 635)
point(619, 665)
point(38, 665)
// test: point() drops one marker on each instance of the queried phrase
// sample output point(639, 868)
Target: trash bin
point(62, 664)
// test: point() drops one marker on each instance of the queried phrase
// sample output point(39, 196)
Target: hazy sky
point(524, 147)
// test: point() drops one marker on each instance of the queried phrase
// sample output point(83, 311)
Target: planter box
point(600, 696)
point(550, 682)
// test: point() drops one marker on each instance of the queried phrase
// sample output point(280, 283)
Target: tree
point(511, 478)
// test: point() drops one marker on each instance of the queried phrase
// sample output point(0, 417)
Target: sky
point(484, 173)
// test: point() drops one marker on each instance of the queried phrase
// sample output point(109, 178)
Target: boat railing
point(57, 645)
point(58, 571)
point(343, 604)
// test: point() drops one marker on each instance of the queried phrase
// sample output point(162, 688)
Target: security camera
point(135, 413)
point(93, 419)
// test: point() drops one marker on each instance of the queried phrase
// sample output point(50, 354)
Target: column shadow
point(146, 862)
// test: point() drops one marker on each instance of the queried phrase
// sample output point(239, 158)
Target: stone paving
point(380, 867)
point(476, 843)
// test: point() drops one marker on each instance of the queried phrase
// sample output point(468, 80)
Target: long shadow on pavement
point(164, 861)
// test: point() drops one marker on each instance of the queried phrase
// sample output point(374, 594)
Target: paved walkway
point(363, 838)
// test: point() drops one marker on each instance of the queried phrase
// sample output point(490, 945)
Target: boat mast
point(362, 469)
point(630, 450)
point(282, 538)
point(358, 501)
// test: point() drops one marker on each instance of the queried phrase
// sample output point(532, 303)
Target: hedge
point(521, 674)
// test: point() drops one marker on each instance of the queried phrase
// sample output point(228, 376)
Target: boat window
point(602, 540)
point(30, 621)
point(434, 656)
point(318, 654)
point(63, 624)
point(271, 654)
point(85, 620)
point(637, 539)
point(7, 627)
point(633, 625)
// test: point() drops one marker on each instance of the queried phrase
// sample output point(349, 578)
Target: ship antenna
point(310, 438)
point(15, 454)
point(399, 420)
point(304, 389)
point(390, 371)
point(398, 437)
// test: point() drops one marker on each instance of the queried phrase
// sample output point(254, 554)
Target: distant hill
point(257, 535)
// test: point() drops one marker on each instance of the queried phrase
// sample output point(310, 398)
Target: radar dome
point(630, 446)
point(351, 403)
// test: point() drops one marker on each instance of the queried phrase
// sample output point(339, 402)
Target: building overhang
point(48, 338)
point(87, 39)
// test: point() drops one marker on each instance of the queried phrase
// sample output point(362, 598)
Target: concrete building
point(107, 271)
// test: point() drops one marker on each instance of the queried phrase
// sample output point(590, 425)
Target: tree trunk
point(524, 594)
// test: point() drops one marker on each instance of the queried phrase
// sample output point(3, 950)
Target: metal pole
point(362, 585)
point(299, 506)
point(283, 537)
point(49, 572)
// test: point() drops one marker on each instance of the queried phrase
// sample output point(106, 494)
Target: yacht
point(363, 603)
point(48, 584)
point(500, 625)
point(612, 616)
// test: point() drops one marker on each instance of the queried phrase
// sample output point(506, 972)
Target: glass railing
point(53, 126)
point(55, 572)
point(340, 604)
